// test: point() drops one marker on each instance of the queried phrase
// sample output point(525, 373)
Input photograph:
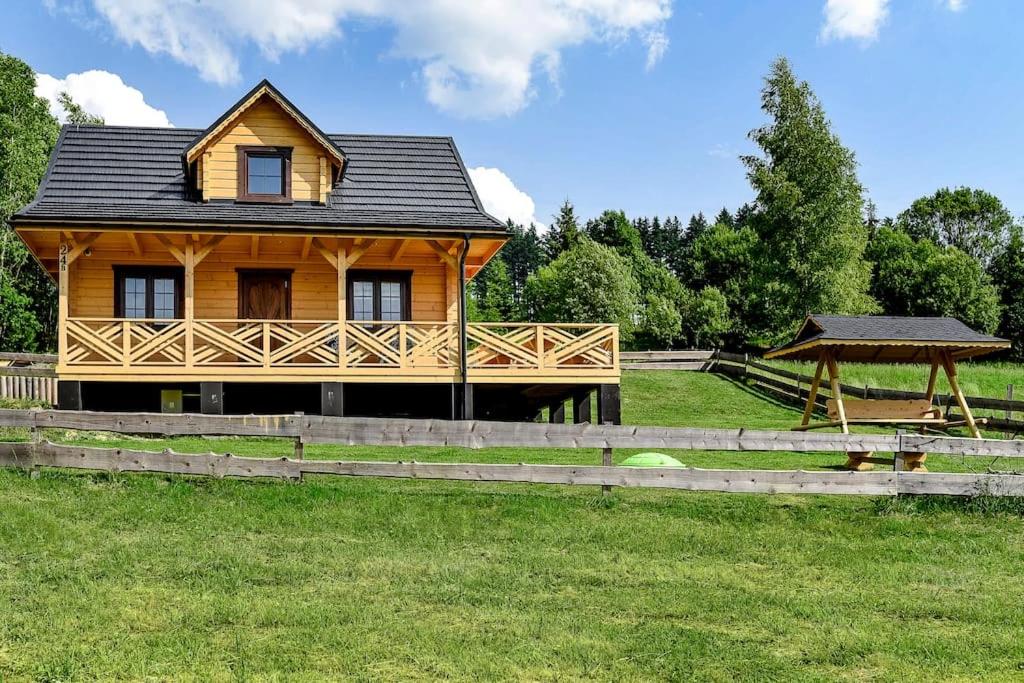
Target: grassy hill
point(135, 576)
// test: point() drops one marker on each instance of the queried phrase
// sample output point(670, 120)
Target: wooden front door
point(264, 294)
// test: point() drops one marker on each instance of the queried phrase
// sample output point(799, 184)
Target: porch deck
point(240, 350)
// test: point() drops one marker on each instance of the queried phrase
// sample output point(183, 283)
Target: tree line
point(808, 241)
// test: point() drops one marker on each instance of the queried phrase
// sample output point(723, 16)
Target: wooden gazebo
point(938, 342)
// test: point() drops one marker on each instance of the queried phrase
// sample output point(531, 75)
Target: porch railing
point(493, 349)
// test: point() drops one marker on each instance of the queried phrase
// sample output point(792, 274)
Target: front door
point(264, 294)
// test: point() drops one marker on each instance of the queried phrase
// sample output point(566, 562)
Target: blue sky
point(642, 105)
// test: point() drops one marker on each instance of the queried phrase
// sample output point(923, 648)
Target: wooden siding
point(265, 123)
point(314, 281)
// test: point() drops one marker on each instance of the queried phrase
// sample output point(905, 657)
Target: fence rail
point(478, 434)
point(46, 454)
point(28, 376)
point(667, 360)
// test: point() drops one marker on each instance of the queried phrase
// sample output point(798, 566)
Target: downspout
point(463, 361)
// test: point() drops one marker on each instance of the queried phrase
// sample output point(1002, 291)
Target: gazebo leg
point(932, 376)
point(837, 392)
point(950, 366)
point(813, 394)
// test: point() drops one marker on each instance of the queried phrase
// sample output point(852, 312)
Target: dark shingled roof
point(885, 338)
point(118, 174)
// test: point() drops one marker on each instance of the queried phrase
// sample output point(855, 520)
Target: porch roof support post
point(463, 358)
point(342, 264)
point(190, 290)
point(63, 263)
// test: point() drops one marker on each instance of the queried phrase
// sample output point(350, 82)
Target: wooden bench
point(884, 411)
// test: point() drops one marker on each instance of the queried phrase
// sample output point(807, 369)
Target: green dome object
point(651, 460)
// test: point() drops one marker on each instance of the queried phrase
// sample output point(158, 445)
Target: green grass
point(141, 576)
point(976, 379)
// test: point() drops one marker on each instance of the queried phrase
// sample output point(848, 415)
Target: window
point(379, 295)
point(264, 174)
point(142, 292)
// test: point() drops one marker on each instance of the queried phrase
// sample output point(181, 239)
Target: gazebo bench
point(886, 411)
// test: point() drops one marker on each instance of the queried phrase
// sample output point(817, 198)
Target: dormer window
point(265, 174)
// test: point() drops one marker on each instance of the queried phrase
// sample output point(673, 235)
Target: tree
point(706, 318)
point(918, 277)
point(1007, 270)
point(75, 114)
point(743, 216)
point(563, 233)
point(723, 258)
point(523, 254)
point(658, 317)
point(27, 134)
point(491, 292)
point(613, 229)
point(695, 228)
point(808, 209)
point(587, 283)
point(973, 221)
point(724, 218)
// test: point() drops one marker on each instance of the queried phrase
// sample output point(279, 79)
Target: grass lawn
point(144, 576)
point(976, 378)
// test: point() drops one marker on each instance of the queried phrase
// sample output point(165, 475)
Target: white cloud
point(501, 198)
point(956, 5)
point(657, 46)
point(101, 93)
point(856, 19)
point(720, 151)
point(476, 58)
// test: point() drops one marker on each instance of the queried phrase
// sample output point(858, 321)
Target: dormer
point(263, 150)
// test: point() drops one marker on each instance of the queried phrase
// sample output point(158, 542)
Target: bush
point(589, 283)
point(918, 277)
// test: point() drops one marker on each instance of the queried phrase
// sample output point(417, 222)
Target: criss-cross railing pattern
point(542, 346)
point(428, 348)
point(401, 345)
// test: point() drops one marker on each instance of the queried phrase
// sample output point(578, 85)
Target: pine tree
point(743, 216)
point(523, 254)
point(563, 233)
point(697, 225)
point(74, 112)
point(724, 218)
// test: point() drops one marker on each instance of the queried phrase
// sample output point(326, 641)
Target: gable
point(265, 124)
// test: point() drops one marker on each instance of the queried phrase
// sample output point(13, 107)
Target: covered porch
point(285, 307)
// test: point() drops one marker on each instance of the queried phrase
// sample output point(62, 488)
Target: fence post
point(898, 464)
point(1009, 411)
point(606, 460)
point(36, 437)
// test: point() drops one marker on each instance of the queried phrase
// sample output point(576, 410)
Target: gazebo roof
point(885, 339)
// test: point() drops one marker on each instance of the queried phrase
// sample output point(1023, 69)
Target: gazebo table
point(939, 342)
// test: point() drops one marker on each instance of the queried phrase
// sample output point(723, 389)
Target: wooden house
point(262, 266)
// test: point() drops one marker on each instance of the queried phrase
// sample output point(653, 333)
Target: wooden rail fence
point(667, 360)
point(477, 434)
point(28, 376)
